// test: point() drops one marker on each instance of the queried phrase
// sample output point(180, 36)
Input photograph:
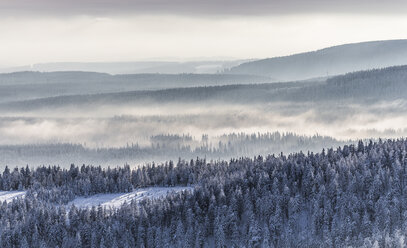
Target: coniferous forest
point(353, 195)
point(203, 124)
point(312, 163)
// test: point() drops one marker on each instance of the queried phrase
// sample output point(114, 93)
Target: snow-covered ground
point(116, 200)
point(8, 196)
point(107, 200)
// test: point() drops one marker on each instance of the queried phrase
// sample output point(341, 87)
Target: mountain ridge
point(330, 61)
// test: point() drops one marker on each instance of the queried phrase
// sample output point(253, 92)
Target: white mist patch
point(125, 124)
point(116, 200)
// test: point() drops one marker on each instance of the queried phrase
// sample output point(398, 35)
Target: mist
point(99, 118)
point(114, 126)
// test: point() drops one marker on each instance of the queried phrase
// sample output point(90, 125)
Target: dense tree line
point(355, 195)
point(164, 147)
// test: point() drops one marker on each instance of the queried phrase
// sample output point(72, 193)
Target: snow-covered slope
point(8, 196)
point(116, 200)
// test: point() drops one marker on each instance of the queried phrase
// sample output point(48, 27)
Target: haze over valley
point(100, 110)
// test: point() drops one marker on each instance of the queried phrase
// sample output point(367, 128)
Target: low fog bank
point(214, 132)
point(109, 126)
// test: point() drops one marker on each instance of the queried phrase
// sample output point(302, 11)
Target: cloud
point(196, 7)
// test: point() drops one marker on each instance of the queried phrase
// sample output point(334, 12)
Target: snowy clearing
point(8, 196)
point(117, 199)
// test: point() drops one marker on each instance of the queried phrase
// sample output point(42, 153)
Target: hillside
point(329, 61)
point(31, 85)
point(380, 84)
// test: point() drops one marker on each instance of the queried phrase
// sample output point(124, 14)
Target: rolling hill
point(329, 61)
point(32, 85)
point(372, 85)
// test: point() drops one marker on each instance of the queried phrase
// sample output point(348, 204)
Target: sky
point(41, 31)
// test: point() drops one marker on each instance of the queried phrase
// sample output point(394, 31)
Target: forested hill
point(31, 85)
point(374, 85)
point(354, 196)
point(329, 61)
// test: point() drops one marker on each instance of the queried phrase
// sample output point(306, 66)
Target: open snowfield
point(117, 199)
point(8, 196)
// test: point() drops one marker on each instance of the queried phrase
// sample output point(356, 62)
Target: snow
point(116, 200)
point(9, 196)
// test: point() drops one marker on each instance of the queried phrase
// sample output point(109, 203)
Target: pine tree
point(266, 243)
point(220, 240)
point(254, 236)
point(24, 243)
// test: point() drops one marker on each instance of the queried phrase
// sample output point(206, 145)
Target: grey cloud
point(195, 7)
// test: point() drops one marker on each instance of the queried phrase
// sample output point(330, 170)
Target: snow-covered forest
point(203, 123)
point(206, 160)
point(354, 195)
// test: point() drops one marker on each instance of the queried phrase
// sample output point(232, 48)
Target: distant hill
point(329, 61)
point(364, 86)
point(167, 67)
point(31, 85)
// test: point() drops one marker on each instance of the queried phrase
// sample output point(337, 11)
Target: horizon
point(95, 31)
point(180, 60)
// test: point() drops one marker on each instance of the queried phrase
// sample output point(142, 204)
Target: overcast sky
point(38, 31)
